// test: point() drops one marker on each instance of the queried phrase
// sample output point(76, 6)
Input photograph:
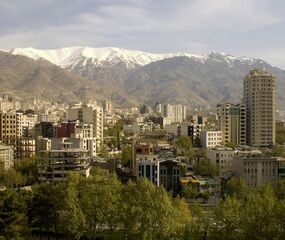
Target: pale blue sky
point(252, 28)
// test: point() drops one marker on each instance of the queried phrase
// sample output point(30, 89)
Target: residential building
point(259, 97)
point(232, 123)
point(84, 143)
point(28, 124)
point(222, 158)
point(43, 144)
point(142, 150)
point(108, 106)
point(171, 113)
point(6, 157)
point(54, 165)
point(11, 125)
point(210, 139)
point(24, 147)
point(89, 114)
point(190, 129)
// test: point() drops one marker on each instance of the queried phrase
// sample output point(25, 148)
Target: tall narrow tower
point(259, 97)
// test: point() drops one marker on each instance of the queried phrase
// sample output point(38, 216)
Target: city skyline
point(242, 28)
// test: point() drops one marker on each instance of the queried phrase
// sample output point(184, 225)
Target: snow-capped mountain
point(71, 57)
point(128, 77)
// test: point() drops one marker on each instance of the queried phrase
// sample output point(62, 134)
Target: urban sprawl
point(197, 154)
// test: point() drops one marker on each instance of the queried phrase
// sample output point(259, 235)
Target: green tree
point(149, 212)
point(280, 135)
point(259, 216)
point(231, 145)
point(28, 169)
point(236, 187)
point(199, 225)
point(205, 167)
point(71, 217)
point(189, 192)
point(99, 198)
point(277, 151)
point(12, 178)
point(103, 152)
point(13, 220)
point(227, 220)
point(127, 154)
point(184, 144)
point(47, 202)
point(280, 191)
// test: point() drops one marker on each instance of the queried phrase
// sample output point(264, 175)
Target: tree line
point(101, 207)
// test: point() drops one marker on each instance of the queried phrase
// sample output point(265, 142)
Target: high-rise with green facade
point(232, 123)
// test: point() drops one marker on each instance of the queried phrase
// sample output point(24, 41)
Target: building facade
point(89, 114)
point(210, 139)
point(6, 157)
point(54, 165)
point(259, 97)
point(232, 123)
point(222, 158)
point(11, 125)
point(256, 168)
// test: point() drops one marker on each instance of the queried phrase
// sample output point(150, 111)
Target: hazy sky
point(240, 27)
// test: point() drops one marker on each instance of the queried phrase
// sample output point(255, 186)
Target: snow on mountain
point(71, 56)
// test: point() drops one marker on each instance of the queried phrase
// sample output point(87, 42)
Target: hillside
point(131, 77)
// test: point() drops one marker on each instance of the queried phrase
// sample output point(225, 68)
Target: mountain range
point(129, 77)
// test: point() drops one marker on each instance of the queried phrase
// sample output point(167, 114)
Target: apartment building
point(6, 157)
point(89, 114)
point(223, 158)
point(232, 123)
point(55, 165)
point(11, 125)
point(259, 97)
point(210, 139)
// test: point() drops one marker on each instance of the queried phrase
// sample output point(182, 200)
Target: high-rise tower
point(259, 97)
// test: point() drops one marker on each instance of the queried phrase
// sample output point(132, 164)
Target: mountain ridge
point(70, 56)
point(193, 81)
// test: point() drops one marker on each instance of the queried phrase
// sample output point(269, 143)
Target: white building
point(29, 122)
point(89, 114)
point(222, 158)
point(108, 107)
point(171, 113)
point(88, 144)
point(210, 139)
point(6, 157)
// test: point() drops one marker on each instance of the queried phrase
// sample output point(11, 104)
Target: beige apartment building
point(89, 114)
point(222, 158)
point(232, 123)
point(11, 125)
point(6, 157)
point(259, 97)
